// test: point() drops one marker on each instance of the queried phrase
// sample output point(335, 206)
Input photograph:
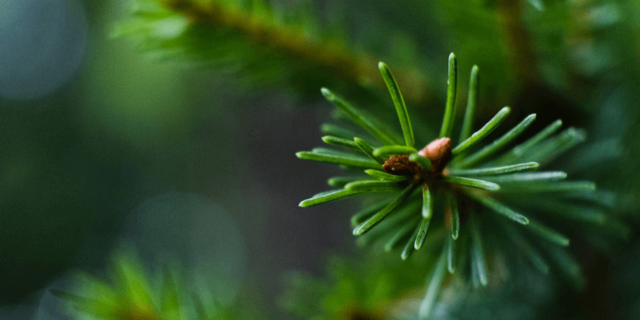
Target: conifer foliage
point(474, 199)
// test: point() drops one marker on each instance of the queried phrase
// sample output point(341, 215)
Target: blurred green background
point(80, 161)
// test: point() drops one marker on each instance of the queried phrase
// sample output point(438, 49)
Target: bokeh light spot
point(196, 233)
point(41, 46)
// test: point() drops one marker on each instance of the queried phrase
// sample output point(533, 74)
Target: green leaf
point(427, 203)
point(340, 182)
point(525, 247)
point(435, 282)
point(483, 132)
point(367, 122)
point(422, 233)
point(600, 197)
point(373, 186)
point(568, 266)
point(371, 222)
point(424, 162)
point(134, 281)
point(500, 208)
point(345, 159)
point(547, 233)
point(450, 109)
point(481, 184)
point(546, 132)
point(322, 150)
point(401, 216)
point(573, 212)
point(451, 250)
point(467, 125)
point(398, 102)
point(522, 149)
point(477, 252)
point(401, 234)
point(475, 277)
point(327, 196)
point(455, 216)
point(367, 212)
point(334, 130)
point(556, 146)
point(552, 187)
point(531, 177)
point(495, 170)
point(367, 149)
point(381, 175)
point(170, 302)
point(498, 144)
point(394, 150)
point(346, 143)
point(408, 247)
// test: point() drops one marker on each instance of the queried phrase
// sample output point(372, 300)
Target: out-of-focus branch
point(294, 42)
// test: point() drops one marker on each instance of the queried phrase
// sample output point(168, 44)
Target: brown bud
point(401, 166)
point(439, 152)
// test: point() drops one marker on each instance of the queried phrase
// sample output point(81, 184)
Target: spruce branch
point(475, 189)
point(228, 33)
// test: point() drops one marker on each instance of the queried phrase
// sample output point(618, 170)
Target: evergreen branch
point(210, 25)
point(432, 170)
